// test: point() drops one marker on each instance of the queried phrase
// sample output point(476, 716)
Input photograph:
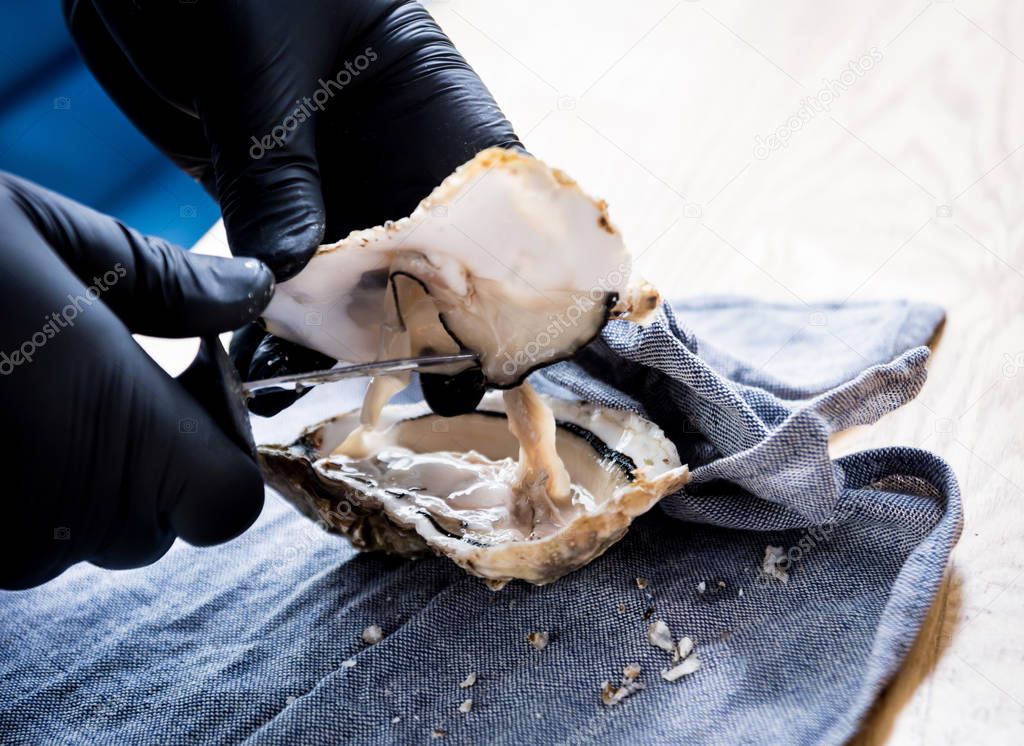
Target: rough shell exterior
point(300, 473)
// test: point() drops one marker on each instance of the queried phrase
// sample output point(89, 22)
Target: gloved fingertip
point(286, 245)
point(451, 396)
point(278, 357)
point(273, 357)
point(269, 404)
point(242, 349)
point(263, 283)
point(297, 247)
point(273, 206)
point(244, 343)
point(224, 293)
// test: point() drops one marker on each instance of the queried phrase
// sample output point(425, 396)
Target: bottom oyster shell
point(440, 484)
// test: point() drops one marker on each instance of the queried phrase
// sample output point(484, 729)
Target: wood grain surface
point(899, 179)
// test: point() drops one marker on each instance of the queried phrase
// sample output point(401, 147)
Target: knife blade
point(301, 381)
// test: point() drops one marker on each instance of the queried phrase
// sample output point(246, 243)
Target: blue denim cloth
point(248, 641)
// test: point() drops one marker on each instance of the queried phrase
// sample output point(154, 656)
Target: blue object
point(260, 638)
point(59, 129)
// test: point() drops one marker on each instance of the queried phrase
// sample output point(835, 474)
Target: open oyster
point(482, 493)
point(521, 266)
point(509, 259)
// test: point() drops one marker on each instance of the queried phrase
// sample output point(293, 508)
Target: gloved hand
point(304, 120)
point(106, 458)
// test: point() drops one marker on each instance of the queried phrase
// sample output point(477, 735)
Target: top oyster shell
point(521, 264)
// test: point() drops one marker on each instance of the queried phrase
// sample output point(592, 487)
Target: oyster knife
point(300, 381)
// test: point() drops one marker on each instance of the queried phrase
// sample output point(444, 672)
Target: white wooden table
point(910, 184)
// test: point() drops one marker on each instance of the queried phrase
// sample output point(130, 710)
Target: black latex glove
point(389, 106)
point(106, 458)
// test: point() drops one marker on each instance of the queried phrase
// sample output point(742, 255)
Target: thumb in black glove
point(107, 458)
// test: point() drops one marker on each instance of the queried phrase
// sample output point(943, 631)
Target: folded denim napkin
point(259, 640)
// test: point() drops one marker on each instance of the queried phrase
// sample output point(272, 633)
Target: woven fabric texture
point(259, 640)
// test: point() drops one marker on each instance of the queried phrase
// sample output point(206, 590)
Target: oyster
point(479, 492)
point(518, 264)
point(507, 258)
